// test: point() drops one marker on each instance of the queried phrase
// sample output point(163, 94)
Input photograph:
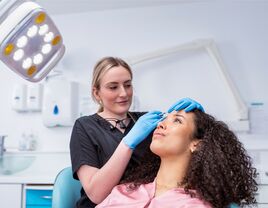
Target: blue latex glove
point(187, 104)
point(142, 128)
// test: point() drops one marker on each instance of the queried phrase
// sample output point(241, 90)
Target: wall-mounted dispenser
point(34, 97)
point(18, 99)
point(60, 102)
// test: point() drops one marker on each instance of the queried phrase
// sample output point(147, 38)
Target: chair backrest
point(233, 205)
point(66, 190)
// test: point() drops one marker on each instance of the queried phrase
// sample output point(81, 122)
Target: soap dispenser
point(18, 101)
point(34, 97)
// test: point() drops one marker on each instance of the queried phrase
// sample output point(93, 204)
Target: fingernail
point(164, 115)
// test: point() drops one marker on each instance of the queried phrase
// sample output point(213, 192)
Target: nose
point(161, 125)
point(123, 91)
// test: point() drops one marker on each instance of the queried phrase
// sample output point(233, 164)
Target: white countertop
point(43, 169)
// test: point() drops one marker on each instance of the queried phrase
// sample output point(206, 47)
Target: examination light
point(30, 43)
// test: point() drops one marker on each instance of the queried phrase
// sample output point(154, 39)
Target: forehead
point(116, 74)
point(182, 114)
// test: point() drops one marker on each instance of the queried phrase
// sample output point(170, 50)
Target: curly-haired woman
point(196, 162)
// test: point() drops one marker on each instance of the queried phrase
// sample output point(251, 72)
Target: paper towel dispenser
point(60, 102)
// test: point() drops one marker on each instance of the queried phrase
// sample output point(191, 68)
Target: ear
point(96, 94)
point(194, 144)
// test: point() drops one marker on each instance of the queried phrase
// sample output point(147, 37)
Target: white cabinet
point(262, 197)
point(35, 196)
point(10, 195)
point(260, 162)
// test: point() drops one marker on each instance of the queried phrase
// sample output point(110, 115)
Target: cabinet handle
point(46, 197)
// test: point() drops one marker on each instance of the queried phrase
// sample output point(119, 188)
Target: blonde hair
point(101, 68)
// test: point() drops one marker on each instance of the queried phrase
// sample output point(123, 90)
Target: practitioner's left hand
point(187, 104)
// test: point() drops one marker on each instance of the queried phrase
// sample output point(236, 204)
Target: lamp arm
point(210, 47)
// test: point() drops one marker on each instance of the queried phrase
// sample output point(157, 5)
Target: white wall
point(239, 29)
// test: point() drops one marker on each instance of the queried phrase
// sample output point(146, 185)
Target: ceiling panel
point(77, 6)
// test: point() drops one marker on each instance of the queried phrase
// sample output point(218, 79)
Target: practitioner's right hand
point(142, 128)
point(186, 104)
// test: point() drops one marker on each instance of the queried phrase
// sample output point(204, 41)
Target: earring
point(100, 102)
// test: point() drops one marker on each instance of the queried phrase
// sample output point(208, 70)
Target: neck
point(106, 114)
point(171, 172)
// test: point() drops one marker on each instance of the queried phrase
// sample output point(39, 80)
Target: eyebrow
point(118, 82)
point(179, 115)
point(128, 81)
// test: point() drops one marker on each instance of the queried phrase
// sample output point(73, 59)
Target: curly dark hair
point(220, 171)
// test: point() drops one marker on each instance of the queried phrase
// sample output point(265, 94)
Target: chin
point(156, 148)
point(123, 109)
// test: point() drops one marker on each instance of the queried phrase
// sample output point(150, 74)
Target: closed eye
point(128, 85)
point(113, 87)
point(177, 120)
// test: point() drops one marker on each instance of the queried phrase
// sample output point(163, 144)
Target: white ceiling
point(76, 6)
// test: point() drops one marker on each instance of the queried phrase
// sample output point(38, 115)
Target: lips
point(158, 134)
point(123, 102)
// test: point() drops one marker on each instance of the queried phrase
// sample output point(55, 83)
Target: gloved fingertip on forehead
point(190, 108)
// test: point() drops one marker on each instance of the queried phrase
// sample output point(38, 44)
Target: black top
point(93, 142)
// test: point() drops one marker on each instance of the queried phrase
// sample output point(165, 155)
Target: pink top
point(143, 197)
